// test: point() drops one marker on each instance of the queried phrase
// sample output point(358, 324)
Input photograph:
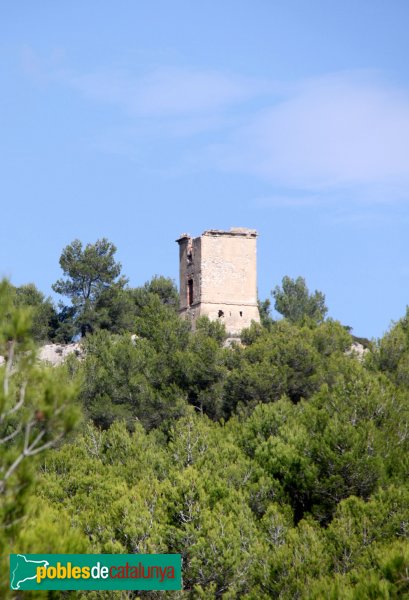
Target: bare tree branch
point(17, 406)
point(45, 446)
point(28, 450)
point(9, 363)
point(11, 436)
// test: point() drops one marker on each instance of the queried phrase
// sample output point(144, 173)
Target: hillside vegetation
point(277, 467)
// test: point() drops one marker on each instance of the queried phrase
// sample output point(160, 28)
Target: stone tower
point(218, 277)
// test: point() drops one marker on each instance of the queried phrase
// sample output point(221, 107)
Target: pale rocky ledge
point(55, 354)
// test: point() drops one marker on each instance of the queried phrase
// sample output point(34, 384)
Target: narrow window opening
point(190, 292)
point(221, 313)
point(241, 313)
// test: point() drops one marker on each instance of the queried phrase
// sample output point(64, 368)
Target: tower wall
point(218, 277)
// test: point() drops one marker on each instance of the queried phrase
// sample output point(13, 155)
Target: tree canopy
point(38, 407)
point(276, 467)
point(294, 301)
point(44, 319)
point(88, 273)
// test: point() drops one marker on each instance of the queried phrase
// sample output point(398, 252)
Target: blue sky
point(139, 120)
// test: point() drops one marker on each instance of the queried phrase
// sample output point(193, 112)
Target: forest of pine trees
point(277, 468)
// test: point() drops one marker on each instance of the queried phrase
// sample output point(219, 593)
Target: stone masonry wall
point(218, 277)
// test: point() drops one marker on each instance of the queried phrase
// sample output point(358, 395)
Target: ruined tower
point(218, 277)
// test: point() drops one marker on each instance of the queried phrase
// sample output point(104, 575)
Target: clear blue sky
point(138, 120)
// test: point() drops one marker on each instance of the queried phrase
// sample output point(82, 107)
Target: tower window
point(221, 313)
point(190, 292)
point(241, 313)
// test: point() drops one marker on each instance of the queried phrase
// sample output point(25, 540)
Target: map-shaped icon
point(24, 569)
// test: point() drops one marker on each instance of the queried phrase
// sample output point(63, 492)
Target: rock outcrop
point(55, 354)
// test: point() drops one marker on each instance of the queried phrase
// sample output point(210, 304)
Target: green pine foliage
point(277, 467)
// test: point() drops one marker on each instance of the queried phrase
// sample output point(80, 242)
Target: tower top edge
point(232, 232)
point(183, 236)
